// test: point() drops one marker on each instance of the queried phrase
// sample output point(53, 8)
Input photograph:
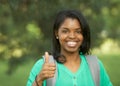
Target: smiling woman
point(73, 26)
point(71, 44)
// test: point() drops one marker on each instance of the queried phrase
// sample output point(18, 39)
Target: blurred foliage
point(26, 25)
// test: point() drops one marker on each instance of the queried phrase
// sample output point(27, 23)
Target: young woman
point(71, 44)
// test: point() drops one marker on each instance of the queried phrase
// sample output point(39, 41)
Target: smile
point(71, 44)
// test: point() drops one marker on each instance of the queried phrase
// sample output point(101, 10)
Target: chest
point(80, 78)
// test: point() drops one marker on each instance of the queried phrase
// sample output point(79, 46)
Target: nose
point(72, 35)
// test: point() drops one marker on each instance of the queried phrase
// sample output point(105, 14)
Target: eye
point(64, 31)
point(78, 31)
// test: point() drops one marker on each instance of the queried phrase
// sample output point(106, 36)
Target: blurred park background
point(26, 29)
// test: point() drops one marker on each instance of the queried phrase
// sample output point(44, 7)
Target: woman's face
point(70, 35)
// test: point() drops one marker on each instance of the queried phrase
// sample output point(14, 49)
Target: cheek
point(81, 38)
point(61, 38)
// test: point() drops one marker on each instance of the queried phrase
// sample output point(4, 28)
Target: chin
point(72, 50)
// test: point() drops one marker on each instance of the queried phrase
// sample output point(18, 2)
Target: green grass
point(20, 76)
point(112, 63)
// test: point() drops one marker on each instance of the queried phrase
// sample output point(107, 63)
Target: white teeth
point(71, 43)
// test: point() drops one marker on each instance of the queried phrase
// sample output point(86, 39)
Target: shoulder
point(104, 77)
point(101, 65)
point(38, 65)
point(102, 68)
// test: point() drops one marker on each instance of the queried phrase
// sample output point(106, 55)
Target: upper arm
point(104, 78)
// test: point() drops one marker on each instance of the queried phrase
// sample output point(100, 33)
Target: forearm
point(35, 84)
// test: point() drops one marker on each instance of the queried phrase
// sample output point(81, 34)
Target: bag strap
point(52, 81)
point(94, 68)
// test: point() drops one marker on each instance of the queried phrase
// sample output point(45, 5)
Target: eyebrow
point(75, 28)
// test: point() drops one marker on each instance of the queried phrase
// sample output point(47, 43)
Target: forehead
point(71, 23)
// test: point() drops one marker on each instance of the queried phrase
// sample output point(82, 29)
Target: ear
point(56, 34)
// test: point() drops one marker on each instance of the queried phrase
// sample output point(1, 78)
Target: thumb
point(46, 57)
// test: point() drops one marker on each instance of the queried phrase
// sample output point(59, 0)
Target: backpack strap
point(94, 68)
point(51, 81)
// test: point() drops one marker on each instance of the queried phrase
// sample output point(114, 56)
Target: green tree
point(26, 25)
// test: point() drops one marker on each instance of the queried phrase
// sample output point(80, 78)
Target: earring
point(57, 37)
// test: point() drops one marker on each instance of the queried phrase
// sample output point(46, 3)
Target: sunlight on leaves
point(108, 47)
point(2, 48)
point(105, 10)
point(114, 11)
point(34, 30)
point(17, 52)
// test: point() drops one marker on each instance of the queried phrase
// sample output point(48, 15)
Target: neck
point(72, 61)
point(71, 57)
